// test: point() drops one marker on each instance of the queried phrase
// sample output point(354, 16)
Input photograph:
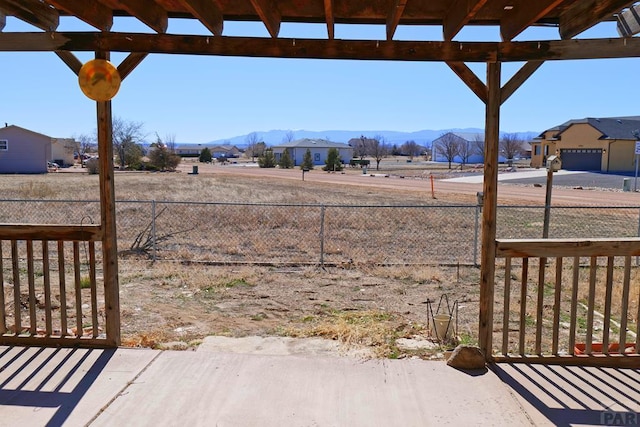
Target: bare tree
point(255, 147)
point(289, 136)
point(448, 146)
point(360, 149)
point(466, 150)
point(378, 149)
point(170, 142)
point(84, 144)
point(511, 146)
point(127, 136)
point(410, 148)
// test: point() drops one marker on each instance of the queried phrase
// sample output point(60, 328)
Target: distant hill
point(421, 137)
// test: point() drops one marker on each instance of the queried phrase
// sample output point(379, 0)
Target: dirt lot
point(360, 305)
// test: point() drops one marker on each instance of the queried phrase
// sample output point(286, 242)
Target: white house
point(319, 149)
point(62, 150)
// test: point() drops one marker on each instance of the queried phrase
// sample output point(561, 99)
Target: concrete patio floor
point(142, 387)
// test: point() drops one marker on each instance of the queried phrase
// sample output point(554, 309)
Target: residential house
point(590, 144)
point(319, 149)
point(217, 151)
point(471, 143)
point(23, 151)
point(62, 150)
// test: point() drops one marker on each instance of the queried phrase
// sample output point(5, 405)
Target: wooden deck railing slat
point(624, 304)
point(540, 304)
point(31, 280)
point(507, 305)
point(78, 287)
point(15, 264)
point(574, 305)
point(64, 327)
point(590, 305)
point(523, 306)
point(606, 327)
point(46, 277)
point(556, 306)
point(94, 293)
point(3, 314)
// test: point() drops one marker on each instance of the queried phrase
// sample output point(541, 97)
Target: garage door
point(581, 159)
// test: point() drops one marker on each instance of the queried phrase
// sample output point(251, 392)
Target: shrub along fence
point(320, 234)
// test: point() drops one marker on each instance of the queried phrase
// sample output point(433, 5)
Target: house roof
point(312, 143)
point(25, 130)
point(610, 127)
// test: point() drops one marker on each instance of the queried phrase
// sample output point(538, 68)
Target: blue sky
point(200, 99)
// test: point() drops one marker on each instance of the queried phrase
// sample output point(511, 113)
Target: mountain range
point(421, 137)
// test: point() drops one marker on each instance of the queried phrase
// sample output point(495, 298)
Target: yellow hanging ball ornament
point(99, 80)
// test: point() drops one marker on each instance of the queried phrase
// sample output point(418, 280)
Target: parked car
point(52, 167)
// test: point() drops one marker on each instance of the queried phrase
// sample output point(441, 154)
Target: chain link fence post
point(153, 227)
point(322, 209)
point(476, 233)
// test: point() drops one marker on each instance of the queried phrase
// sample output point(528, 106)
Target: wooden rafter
point(93, 13)
point(147, 11)
point(3, 21)
point(33, 12)
point(518, 79)
point(582, 15)
point(70, 59)
point(393, 18)
point(328, 14)
point(460, 12)
point(130, 63)
point(208, 12)
point(523, 15)
point(470, 79)
point(268, 12)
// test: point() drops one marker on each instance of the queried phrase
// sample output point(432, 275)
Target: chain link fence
point(320, 234)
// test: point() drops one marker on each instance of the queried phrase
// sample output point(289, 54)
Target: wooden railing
point(50, 286)
point(567, 302)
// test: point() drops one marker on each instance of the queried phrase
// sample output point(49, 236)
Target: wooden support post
point(108, 219)
point(488, 257)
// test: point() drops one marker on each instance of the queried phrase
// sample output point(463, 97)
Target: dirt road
point(420, 182)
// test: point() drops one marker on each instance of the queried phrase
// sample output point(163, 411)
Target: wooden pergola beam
point(130, 63)
point(518, 79)
point(33, 12)
point(470, 79)
point(3, 21)
point(207, 12)
point(459, 14)
point(490, 206)
point(523, 15)
point(328, 13)
point(92, 12)
point(268, 12)
point(323, 49)
point(147, 11)
point(583, 15)
point(393, 18)
point(70, 59)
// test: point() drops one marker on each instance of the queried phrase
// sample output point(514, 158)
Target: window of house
point(536, 149)
point(4, 145)
point(316, 157)
point(546, 150)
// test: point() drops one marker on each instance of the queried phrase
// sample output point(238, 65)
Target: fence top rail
point(50, 232)
point(541, 248)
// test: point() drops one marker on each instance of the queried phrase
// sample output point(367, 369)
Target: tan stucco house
point(589, 144)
